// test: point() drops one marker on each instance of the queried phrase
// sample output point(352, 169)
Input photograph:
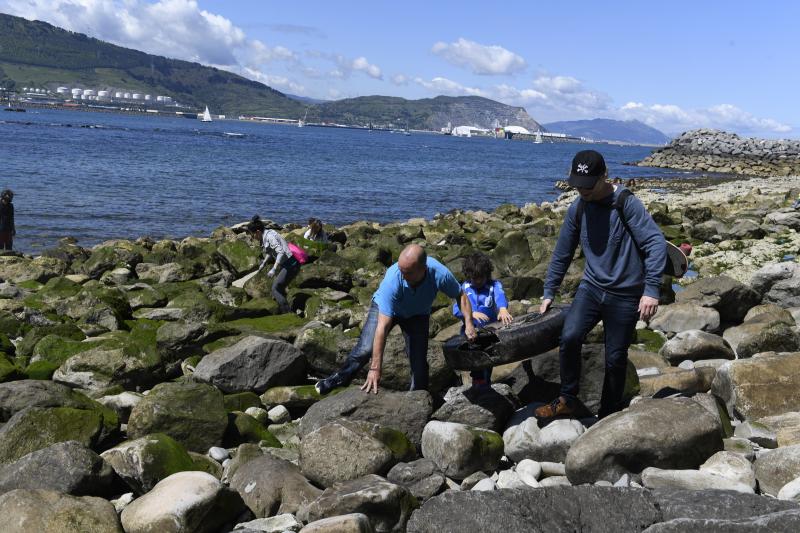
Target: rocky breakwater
point(141, 391)
point(709, 150)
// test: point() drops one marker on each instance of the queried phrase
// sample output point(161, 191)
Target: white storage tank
point(136, 96)
point(148, 97)
point(77, 92)
point(62, 90)
point(102, 94)
point(88, 92)
point(127, 95)
point(118, 94)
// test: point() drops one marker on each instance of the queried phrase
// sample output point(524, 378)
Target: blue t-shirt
point(487, 300)
point(395, 298)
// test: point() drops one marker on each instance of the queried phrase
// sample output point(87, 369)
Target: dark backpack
point(676, 264)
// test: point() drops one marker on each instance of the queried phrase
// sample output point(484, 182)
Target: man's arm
point(568, 239)
point(378, 345)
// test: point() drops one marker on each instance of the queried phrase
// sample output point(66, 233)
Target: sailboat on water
point(206, 116)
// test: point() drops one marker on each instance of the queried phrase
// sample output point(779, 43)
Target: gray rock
point(121, 403)
point(670, 433)
point(348, 523)
point(404, 411)
point(553, 469)
point(459, 450)
point(176, 340)
point(732, 466)
point(484, 485)
point(656, 478)
point(740, 446)
point(695, 345)
point(279, 414)
point(252, 364)
point(776, 468)
point(756, 432)
point(270, 485)
point(186, 501)
point(471, 480)
point(780, 522)
point(478, 407)
point(388, 506)
point(218, 454)
point(18, 395)
point(509, 479)
point(275, 524)
point(23, 511)
point(729, 297)
point(677, 317)
point(778, 283)
point(790, 491)
point(525, 440)
point(67, 467)
point(421, 477)
point(775, 337)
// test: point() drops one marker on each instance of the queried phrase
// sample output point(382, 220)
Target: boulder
point(348, 523)
point(460, 450)
point(740, 384)
point(388, 506)
point(100, 368)
point(67, 467)
point(270, 485)
point(348, 449)
point(729, 297)
point(695, 345)
point(656, 478)
point(276, 524)
point(183, 502)
point(24, 511)
point(36, 428)
point(732, 466)
point(296, 398)
point(191, 413)
point(252, 364)
point(524, 439)
point(751, 330)
point(775, 468)
point(488, 408)
point(670, 433)
point(421, 477)
point(18, 395)
point(780, 522)
point(778, 283)
point(405, 411)
point(775, 337)
point(687, 381)
point(674, 318)
point(786, 427)
point(145, 461)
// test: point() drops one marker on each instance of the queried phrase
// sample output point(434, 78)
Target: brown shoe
point(557, 408)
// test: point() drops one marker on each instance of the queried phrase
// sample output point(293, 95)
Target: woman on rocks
point(7, 228)
point(315, 231)
point(286, 266)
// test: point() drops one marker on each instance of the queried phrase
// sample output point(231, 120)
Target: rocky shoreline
point(141, 391)
point(709, 150)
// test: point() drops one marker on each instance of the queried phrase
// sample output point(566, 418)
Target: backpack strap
point(619, 205)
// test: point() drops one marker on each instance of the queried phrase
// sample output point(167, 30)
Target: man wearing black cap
point(621, 280)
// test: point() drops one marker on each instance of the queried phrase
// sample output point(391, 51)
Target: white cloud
point(344, 67)
point(362, 65)
point(674, 119)
point(281, 83)
point(444, 86)
point(480, 58)
point(400, 79)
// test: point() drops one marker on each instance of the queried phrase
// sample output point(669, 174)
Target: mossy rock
point(296, 398)
point(55, 349)
point(42, 370)
point(32, 284)
point(240, 401)
point(6, 346)
point(146, 297)
point(198, 307)
point(240, 256)
point(39, 427)
point(266, 324)
point(318, 276)
point(8, 370)
point(372, 258)
point(651, 340)
point(108, 257)
point(244, 428)
point(512, 255)
point(67, 331)
point(59, 289)
point(206, 464)
point(11, 326)
point(402, 449)
point(259, 307)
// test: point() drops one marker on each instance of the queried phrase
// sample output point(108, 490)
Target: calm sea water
point(96, 176)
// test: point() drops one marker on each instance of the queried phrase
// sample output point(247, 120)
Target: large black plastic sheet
point(527, 336)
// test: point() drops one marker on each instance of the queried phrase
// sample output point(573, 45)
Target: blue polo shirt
point(395, 298)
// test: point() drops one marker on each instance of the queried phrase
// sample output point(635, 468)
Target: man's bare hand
point(504, 316)
point(481, 317)
point(545, 305)
point(647, 307)
point(469, 331)
point(373, 378)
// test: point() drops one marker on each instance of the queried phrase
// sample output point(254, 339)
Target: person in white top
point(286, 266)
point(315, 231)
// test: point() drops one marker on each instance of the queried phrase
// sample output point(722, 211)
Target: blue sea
point(96, 176)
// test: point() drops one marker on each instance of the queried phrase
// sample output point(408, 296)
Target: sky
point(675, 66)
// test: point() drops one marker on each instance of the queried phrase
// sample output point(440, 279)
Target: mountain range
point(38, 54)
point(604, 129)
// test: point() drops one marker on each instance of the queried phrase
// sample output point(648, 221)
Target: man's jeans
point(415, 332)
point(619, 314)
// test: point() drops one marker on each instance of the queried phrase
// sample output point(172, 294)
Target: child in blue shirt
point(489, 302)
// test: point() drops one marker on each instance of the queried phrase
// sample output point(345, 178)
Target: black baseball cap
point(588, 166)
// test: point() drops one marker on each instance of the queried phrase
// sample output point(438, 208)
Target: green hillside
point(34, 53)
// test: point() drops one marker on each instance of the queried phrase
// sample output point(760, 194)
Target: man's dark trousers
point(619, 313)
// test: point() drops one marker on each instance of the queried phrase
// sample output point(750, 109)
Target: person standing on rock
point(620, 285)
point(404, 298)
point(286, 266)
point(7, 228)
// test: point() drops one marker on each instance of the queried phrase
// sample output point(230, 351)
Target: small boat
point(15, 109)
point(538, 138)
point(302, 121)
point(527, 336)
point(206, 116)
point(232, 134)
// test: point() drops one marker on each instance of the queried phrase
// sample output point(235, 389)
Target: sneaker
point(324, 386)
point(559, 407)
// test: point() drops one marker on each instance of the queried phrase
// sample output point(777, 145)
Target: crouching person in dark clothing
point(620, 285)
point(7, 228)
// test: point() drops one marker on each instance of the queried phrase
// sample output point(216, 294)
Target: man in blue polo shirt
point(404, 298)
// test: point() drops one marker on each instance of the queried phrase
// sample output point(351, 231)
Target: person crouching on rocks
point(404, 298)
point(7, 228)
point(619, 285)
point(315, 231)
point(489, 303)
point(286, 266)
